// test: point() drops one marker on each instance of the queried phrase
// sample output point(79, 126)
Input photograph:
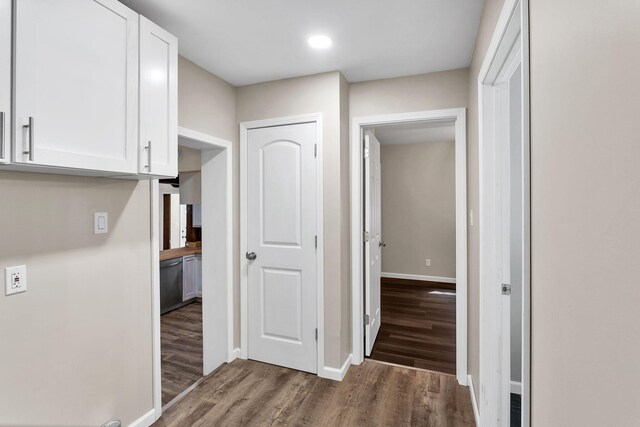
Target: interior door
point(281, 242)
point(5, 79)
point(373, 239)
point(76, 84)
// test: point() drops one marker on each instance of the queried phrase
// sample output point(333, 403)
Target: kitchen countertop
point(179, 253)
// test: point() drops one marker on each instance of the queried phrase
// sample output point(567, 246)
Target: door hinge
point(506, 289)
point(366, 319)
point(366, 152)
point(316, 241)
point(315, 151)
point(366, 236)
point(316, 334)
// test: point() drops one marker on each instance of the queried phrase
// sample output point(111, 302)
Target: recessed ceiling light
point(319, 42)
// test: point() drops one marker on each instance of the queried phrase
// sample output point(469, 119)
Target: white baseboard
point(335, 373)
point(474, 401)
point(516, 387)
point(235, 354)
point(146, 420)
point(419, 277)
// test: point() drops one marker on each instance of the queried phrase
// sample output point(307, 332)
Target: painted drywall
point(76, 347)
point(189, 160)
point(207, 104)
point(585, 101)
point(305, 95)
point(345, 221)
point(434, 91)
point(490, 14)
point(419, 208)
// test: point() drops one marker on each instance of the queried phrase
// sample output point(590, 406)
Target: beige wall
point(77, 344)
point(207, 104)
point(316, 94)
point(419, 208)
point(434, 91)
point(490, 14)
point(189, 160)
point(585, 103)
point(345, 221)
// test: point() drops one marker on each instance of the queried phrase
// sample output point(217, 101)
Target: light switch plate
point(100, 223)
point(427, 262)
point(15, 279)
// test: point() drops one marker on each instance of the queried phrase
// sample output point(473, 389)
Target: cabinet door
point(188, 278)
point(5, 79)
point(158, 149)
point(76, 84)
point(198, 275)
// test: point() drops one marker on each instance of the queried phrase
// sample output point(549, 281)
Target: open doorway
point(181, 277)
point(410, 245)
point(192, 267)
point(389, 296)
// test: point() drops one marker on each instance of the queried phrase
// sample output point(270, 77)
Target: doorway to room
point(410, 245)
point(409, 211)
point(192, 268)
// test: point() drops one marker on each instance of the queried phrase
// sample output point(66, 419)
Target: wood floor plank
point(181, 349)
point(249, 393)
point(418, 327)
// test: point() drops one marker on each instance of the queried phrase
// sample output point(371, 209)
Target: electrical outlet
point(15, 279)
point(427, 262)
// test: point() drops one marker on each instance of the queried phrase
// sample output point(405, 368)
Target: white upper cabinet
point(76, 85)
point(158, 148)
point(5, 79)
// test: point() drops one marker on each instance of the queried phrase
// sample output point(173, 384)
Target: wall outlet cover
point(15, 279)
point(428, 262)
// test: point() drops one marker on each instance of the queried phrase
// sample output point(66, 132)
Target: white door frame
point(244, 134)
point(217, 257)
point(457, 115)
point(512, 28)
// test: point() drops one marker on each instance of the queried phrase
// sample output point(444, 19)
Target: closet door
point(158, 149)
point(5, 79)
point(76, 84)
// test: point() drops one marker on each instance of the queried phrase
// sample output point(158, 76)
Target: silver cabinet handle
point(251, 256)
point(31, 128)
point(148, 148)
point(2, 130)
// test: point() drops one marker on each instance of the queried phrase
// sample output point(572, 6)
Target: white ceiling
point(417, 133)
point(251, 41)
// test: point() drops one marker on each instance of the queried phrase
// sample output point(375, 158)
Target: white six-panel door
point(373, 245)
point(281, 233)
point(5, 79)
point(76, 84)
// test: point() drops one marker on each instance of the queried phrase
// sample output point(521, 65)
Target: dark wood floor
point(248, 393)
point(418, 327)
point(181, 342)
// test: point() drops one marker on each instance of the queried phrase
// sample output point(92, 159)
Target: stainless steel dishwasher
point(170, 285)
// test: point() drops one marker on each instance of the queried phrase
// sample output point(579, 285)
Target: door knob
point(251, 256)
point(382, 243)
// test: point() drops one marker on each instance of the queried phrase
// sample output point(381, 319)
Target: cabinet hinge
point(506, 289)
point(315, 151)
point(316, 334)
point(366, 319)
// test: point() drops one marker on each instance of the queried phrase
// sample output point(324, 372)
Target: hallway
point(248, 393)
